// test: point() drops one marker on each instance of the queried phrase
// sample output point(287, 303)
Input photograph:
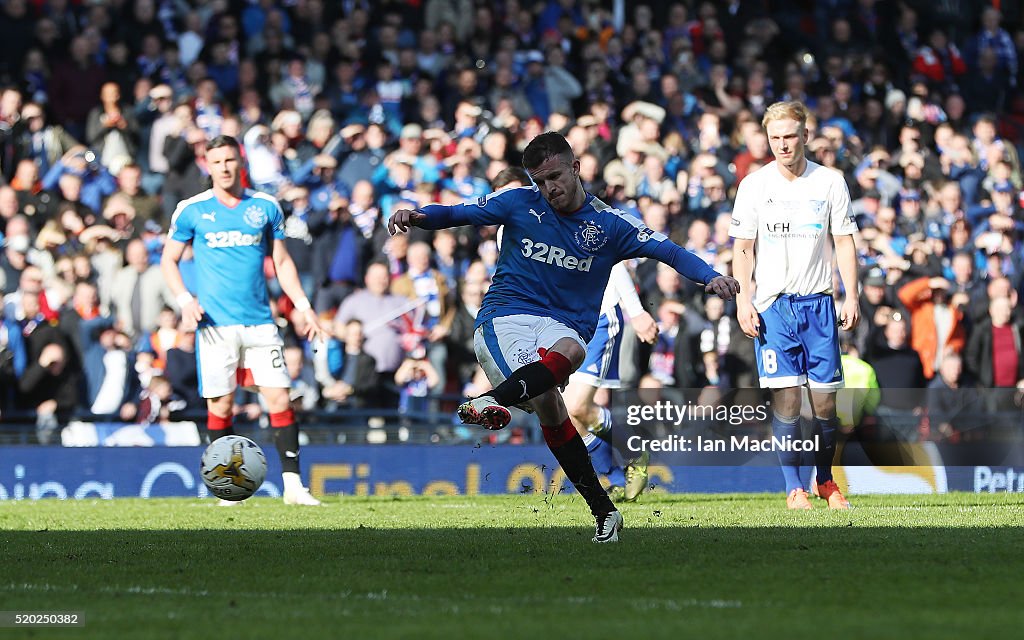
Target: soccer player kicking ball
point(600, 370)
point(787, 215)
point(231, 230)
point(560, 244)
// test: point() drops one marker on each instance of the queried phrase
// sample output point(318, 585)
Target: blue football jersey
point(230, 244)
point(557, 266)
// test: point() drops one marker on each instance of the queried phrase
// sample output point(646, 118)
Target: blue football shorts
point(600, 368)
point(799, 344)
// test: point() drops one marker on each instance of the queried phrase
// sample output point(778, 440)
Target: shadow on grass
point(497, 582)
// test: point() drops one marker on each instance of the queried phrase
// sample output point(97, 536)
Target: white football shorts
point(240, 355)
point(506, 343)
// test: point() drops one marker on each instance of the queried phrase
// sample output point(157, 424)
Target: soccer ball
point(233, 467)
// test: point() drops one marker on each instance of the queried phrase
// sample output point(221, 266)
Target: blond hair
point(794, 110)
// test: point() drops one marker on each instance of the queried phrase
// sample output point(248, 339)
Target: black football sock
point(286, 439)
point(218, 427)
point(568, 448)
point(525, 383)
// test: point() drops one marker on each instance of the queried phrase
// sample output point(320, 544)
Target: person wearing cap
point(163, 123)
point(323, 183)
point(410, 145)
point(1002, 201)
point(44, 143)
point(548, 85)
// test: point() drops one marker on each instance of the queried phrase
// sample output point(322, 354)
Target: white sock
point(587, 439)
point(292, 481)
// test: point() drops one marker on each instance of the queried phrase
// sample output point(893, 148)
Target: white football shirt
point(792, 223)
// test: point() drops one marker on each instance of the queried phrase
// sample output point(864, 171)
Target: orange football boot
point(797, 499)
point(830, 492)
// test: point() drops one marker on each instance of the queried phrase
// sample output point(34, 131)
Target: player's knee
point(575, 353)
point(824, 406)
point(786, 401)
point(220, 406)
point(578, 409)
point(277, 399)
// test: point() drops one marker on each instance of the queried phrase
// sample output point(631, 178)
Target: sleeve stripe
point(205, 195)
point(482, 201)
point(637, 223)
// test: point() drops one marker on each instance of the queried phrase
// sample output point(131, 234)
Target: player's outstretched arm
point(743, 269)
point(491, 209)
point(695, 269)
point(191, 311)
point(288, 276)
point(846, 258)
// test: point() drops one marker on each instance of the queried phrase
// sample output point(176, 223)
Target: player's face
point(222, 164)
point(787, 139)
point(559, 183)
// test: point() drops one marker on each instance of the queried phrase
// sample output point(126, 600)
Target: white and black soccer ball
point(233, 467)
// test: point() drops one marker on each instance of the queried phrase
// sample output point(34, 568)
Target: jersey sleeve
point(842, 220)
point(183, 223)
point(276, 220)
point(636, 240)
point(744, 212)
point(494, 208)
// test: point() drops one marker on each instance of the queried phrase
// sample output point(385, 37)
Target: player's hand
point(191, 314)
point(314, 330)
point(645, 326)
point(724, 287)
point(750, 323)
point(403, 219)
point(849, 315)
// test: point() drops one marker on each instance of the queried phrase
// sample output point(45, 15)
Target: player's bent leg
point(286, 440)
point(531, 380)
point(570, 452)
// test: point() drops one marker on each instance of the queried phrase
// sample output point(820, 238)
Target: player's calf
point(568, 448)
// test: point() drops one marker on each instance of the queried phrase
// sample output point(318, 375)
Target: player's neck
point(576, 204)
point(794, 172)
point(228, 197)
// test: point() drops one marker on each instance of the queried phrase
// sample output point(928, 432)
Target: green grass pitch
point(687, 566)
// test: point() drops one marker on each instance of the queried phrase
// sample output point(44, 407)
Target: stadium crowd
point(348, 110)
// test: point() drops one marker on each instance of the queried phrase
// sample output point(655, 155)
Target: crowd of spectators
point(348, 109)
